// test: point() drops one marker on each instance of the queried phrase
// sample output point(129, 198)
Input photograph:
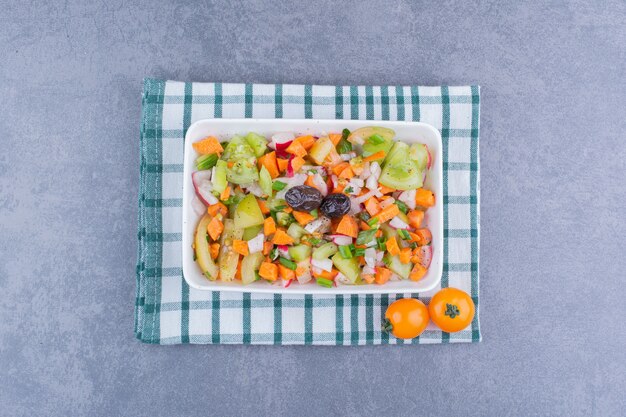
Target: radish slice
point(198, 206)
point(426, 255)
point(398, 223)
point(366, 196)
point(283, 250)
point(204, 187)
point(256, 244)
point(340, 240)
point(372, 181)
point(430, 158)
point(287, 283)
point(324, 264)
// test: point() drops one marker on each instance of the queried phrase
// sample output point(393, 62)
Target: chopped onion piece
point(398, 223)
point(254, 189)
point(372, 181)
point(408, 198)
point(320, 184)
point(324, 264)
point(368, 270)
point(340, 240)
point(319, 225)
point(256, 244)
point(387, 202)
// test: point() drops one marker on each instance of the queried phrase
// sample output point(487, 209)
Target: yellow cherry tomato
point(451, 309)
point(406, 318)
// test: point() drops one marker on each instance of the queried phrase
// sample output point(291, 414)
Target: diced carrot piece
point(297, 163)
point(230, 164)
point(326, 274)
point(269, 162)
point(267, 247)
point(417, 272)
point(348, 226)
point(302, 217)
point(369, 278)
point(424, 198)
point(287, 209)
point(282, 238)
point(214, 209)
point(372, 206)
point(215, 228)
point(208, 146)
point(364, 226)
point(300, 271)
point(309, 181)
point(286, 273)
point(375, 156)
point(269, 271)
point(379, 233)
point(415, 237)
point(340, 167)
point(225, 194)
point(296, 149)
point(425, 236)
point(241, 247)
point(214, 249)
point(282, 164)
point(382, 275)
point(347, 173)
point(306, 141)
point(238, 272)
point(405, 255)
point(263, 206)
point(269, 226)
point(335, 138)
point(392, 246)
point(387, 213)
point(385, 190)
point(415, 218)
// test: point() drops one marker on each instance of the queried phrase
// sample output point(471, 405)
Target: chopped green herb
point(352, 247)
point(281, 207)
point(413, 245)
point(345, 133)
point(345, 252)
point(365, 236)
point(288, 263)
point(257, 276)
point(325, 282)
point(207, 274)
point(404, 234)
point(278, 185)
point(205, 162)
point(371, 222)
point(381, 243)
point(403, 207)
point(314, 213)
point(312, 171)
point(344, 146)
point(349, 190)
point(274, 253)
point(314, 240)
point(194, 256)
point(207, 239)
point(359, 252)
point(376, 139)
point(365, 216)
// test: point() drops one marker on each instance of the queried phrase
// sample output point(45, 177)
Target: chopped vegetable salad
point(340, 209)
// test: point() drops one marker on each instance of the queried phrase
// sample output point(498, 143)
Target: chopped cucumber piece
point(248, 213)
point(257, 142)
point(284, 219)
point(265, 180)
point(252, 232)
point(296, 231)
point(348, 267)
point(219, 176)
point(300, 253)
point(249, 267)
point(325, 251)
point(402, 270)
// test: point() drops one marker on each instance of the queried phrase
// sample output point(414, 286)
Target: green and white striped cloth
point(168, 311)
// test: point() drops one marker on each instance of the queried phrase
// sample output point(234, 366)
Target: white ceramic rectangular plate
point(223, 129)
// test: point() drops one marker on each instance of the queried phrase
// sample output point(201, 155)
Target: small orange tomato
point(406, 318)
point(451, 309)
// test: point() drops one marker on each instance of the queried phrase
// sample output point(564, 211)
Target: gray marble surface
point(553, 153)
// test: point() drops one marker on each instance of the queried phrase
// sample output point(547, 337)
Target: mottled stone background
point(553, 151)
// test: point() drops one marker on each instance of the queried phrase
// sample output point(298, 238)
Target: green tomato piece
point(257, 142)
point(251, 232)
point(360, 136)
point(201, 244)
point(348, 267)
point(324, 251)
point(265, 180)
point(419, 153)
point(402, 270)
point(228, 258)
point(237, 149)
point(300, 252)
point(248, 213)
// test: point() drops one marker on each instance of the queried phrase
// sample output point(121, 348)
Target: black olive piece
point(335, 205)
point(303, 198)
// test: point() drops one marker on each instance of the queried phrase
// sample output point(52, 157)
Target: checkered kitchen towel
point(168, 311)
